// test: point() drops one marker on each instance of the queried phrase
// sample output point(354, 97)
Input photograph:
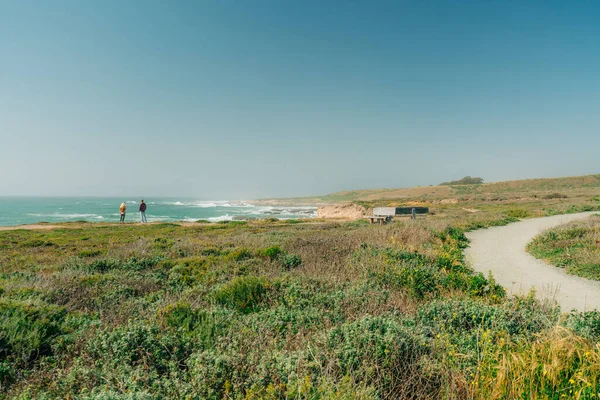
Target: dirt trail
point(502, 251)
point(32, 227)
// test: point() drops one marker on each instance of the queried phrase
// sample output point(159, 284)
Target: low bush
point(586, 324)
point(27, 331)
point(139, 264)
point(272, 253)
point(211, 251)
point(291, 261)
point(518, 213)
point(241, 254)
point(520, 317)
point(90, 253)
point(202, 326)
point(244, 293)
point(132, 264)
point(382, 353)
point(104, 265)
point(134, 356)
point(37, 243)
point(554, 196)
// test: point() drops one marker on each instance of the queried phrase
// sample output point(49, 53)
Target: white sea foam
point(207, 203)
point(65, 216)
point(203, 205)
point(221, 218)
point(282, 212)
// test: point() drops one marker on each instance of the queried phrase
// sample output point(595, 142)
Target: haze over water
point(28, 210)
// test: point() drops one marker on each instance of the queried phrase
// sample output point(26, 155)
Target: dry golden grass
point(559, 364)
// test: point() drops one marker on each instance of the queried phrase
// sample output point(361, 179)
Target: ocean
point(29, 210)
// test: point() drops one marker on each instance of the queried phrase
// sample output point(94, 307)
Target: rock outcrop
point(342, 211)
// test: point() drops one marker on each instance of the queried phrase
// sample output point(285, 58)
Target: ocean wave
point(286, 211)
point(66, 216)
point(207, 204)
point(220, 218)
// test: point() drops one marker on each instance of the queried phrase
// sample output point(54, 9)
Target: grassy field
point(574, 247)
point(283, 310)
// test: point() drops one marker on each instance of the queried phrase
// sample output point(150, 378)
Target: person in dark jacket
point(143, 211)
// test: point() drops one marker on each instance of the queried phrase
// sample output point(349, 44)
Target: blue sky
point(244, 99)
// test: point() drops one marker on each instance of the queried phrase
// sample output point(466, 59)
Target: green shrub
point(104, 265)
point(163, 243)
point(37, 243)
point(89, 253)
point(403, 256)
point(555, 196)
point(380, 352)
point(572, 233)
point(517, 316)
point(291, 261)
point(517, 213)
point(451, 259)
point(238, 223)
point(211, 251)
point(410, 270)
point(132, 264)
point(244, 293)
point(478, 285)
point(272, 253)
point(456, 234)
point(139, 264)
point(241, 254)
point(136, 354)
point(202, 326)
point(420, 281)
point(357, 223)
point(27, 331)
point(586, 324)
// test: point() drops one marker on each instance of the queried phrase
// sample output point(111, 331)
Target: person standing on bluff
point(143, 211)
point(122, 210)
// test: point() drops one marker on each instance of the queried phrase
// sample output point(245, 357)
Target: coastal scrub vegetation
point(574, 246)
point(467, 180)
point(279, 310)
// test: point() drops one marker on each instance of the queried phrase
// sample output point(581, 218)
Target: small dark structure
point(384, 215)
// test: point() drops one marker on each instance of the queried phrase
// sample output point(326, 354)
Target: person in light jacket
point(122, 211)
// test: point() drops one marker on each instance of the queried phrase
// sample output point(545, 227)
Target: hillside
point(521, 188)
point(495, 191)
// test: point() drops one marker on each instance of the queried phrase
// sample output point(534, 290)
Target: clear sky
point(230, 99)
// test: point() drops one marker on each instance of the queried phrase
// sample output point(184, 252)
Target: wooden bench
point(381, 219)
point(383, 215)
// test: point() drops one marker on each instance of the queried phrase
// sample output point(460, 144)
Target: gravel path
point(502, 251)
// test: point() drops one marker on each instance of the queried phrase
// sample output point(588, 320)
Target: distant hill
point(588, 185)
